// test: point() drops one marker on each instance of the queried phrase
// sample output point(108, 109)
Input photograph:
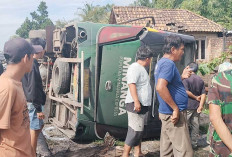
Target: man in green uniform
point(220, 108)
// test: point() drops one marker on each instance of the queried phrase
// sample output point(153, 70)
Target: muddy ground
point(61, 146)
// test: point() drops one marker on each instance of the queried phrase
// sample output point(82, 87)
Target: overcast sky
point(14, 12)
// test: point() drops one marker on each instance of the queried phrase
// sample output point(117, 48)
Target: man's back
point(14, 120)
point(33, 88)
point(196, 86)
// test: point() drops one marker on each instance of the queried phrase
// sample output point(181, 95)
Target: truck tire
point(60, 77)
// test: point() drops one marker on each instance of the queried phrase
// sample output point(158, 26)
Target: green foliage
point(101, 142)
point(205, 111)
point(14, 36)
point(25, 28)
point(192, 5)
point(146, 3)
point(221, 12)
point(98, 142)
point(159, 4)
point(206, 68)
point(97, 14)
point(61, 23)
point(165, 4)
point(230, 47)
point(39, 21)
point(119, 143)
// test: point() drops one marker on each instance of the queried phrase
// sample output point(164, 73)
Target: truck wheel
point(60, 77)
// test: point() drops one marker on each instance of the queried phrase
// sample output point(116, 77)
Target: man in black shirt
point(33, 89)
point(195, 89)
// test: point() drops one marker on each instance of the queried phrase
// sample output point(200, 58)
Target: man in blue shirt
point(173, 101)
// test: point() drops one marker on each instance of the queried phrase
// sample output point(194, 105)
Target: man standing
point(33, 89)
point(195, 89)
point(173, 101)
point(137, 100)
point(15, 138)
point(220, 114)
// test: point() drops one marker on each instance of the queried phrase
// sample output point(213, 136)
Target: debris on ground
point(58, 145)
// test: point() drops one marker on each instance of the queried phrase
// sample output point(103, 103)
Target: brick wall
point(215, 48)
point(215, 45)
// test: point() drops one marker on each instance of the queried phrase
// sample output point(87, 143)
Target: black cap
point(15, 49)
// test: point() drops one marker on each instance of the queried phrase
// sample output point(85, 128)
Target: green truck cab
point(88, 84)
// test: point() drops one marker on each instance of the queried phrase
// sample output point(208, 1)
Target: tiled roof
point(165, 19)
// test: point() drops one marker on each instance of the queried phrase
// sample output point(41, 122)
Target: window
point(200, 51)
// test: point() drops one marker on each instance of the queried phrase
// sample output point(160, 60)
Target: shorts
point(136, 121)
point(35, 123)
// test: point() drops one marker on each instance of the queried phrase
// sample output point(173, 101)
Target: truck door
point(116, 59)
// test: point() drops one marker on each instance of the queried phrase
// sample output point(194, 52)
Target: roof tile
point(166, 19)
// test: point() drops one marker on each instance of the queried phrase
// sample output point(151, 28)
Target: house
point(208, 34)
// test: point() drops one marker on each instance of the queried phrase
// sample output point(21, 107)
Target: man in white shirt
point(137, 101)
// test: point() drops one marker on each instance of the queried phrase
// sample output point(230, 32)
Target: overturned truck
point(87, 87)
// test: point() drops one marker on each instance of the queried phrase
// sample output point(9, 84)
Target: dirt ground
point(61, 146)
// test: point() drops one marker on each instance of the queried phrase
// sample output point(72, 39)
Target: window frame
point(198, 53)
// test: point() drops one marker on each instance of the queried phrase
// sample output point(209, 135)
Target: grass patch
point(98, 142)
point(205, 111)
point(119, 143)
point(101, 142)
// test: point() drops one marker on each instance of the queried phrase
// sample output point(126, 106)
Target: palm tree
point(98, 14)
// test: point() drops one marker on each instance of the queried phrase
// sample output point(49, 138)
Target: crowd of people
point(181, 99)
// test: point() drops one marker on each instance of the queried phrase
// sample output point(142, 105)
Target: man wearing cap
point(15, 137)
point(33, 89)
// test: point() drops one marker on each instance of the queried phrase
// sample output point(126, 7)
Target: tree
point(24, 28)
point(158, 4)
point(146, 3)
point(165, 4)
point(98, 14)
point(14, 36)
point(192, 5)
point(61, 23)
point(221, 12)
point(39, 21)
